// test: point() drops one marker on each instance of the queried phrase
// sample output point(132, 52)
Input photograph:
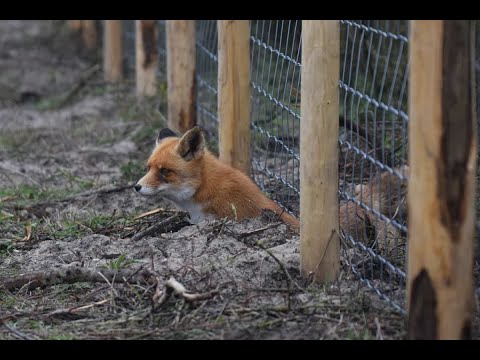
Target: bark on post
point(182, 91)
point(441, 196)
point(75, 25)
point(89, 34)
point(146, 56)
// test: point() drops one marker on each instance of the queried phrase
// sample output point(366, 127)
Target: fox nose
point(137, 187)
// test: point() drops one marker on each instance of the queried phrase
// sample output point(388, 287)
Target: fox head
point(175, 166)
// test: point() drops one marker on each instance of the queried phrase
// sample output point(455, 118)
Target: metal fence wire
point(373, 167)
point(206, 77)
point(275, 116)
point(373, 134)
point(373, 141)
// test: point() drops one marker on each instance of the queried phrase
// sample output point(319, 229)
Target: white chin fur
point(182, 198)
point(148, 191)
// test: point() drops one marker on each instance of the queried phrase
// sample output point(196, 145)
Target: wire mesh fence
point(373, 153)
point(373, 141)
point(373, 137)
point(206, 77)
point(275, 116)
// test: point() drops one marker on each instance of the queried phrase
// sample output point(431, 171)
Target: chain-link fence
point(373, 134)
point(206, 77)
point(373, 139)
point(373, 152)
point(275, 117)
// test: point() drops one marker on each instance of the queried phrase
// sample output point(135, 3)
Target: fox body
point(386, 194)
point(182, 170)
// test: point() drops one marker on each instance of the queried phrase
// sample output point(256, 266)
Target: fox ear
point(192, 144)
point(164, 133)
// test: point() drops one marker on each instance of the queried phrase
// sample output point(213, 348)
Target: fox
point(371, 229)
point(182, 170)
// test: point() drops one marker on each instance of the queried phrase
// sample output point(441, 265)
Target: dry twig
point(73, 274)
point(154, 228)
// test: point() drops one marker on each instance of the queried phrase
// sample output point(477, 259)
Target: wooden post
point(89, 34)
point(75, 25)
point(319, 238)
point(113, 51)
point(441, 195)
point(234, 93)
point(146, 56)
point(182, 92)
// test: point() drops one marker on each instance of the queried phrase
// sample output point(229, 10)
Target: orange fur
point(221, 190)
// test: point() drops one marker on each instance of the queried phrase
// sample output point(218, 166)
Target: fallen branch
point(17, 333)
point(74, 274)
point(257, 231)
point(152, 212)
point(173, 286)
point(75, 308)
point(154, 228)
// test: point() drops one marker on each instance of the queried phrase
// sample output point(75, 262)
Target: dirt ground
point(71, 147)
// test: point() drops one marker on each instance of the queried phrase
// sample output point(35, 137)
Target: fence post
point(234, 93)
point(319, 238)
point(113, 50)
point(441, 195)
point(146, 56)
point(182, 91)
point(75, 25)
point(89, 34)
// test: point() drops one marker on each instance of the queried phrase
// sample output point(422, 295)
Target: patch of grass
point(359, 335)
point(132, 170)
point(65, 293)
point(61, 337)
point(148, 133)
point(67, 229)
point(5, 248)
point(149, 113)
point(120, 263)
point(15, 141)
point(7, 301)
point(50, 103)
point(24, 194)
point(145, 110)
point(76, 228)
point(98, 90)
point(75, 181)
point(4, 216)
point(35, 324)
point(267, 324)
point(29, 192)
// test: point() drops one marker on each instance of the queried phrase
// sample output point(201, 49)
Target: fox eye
point(164, 172)
point(147, 168)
